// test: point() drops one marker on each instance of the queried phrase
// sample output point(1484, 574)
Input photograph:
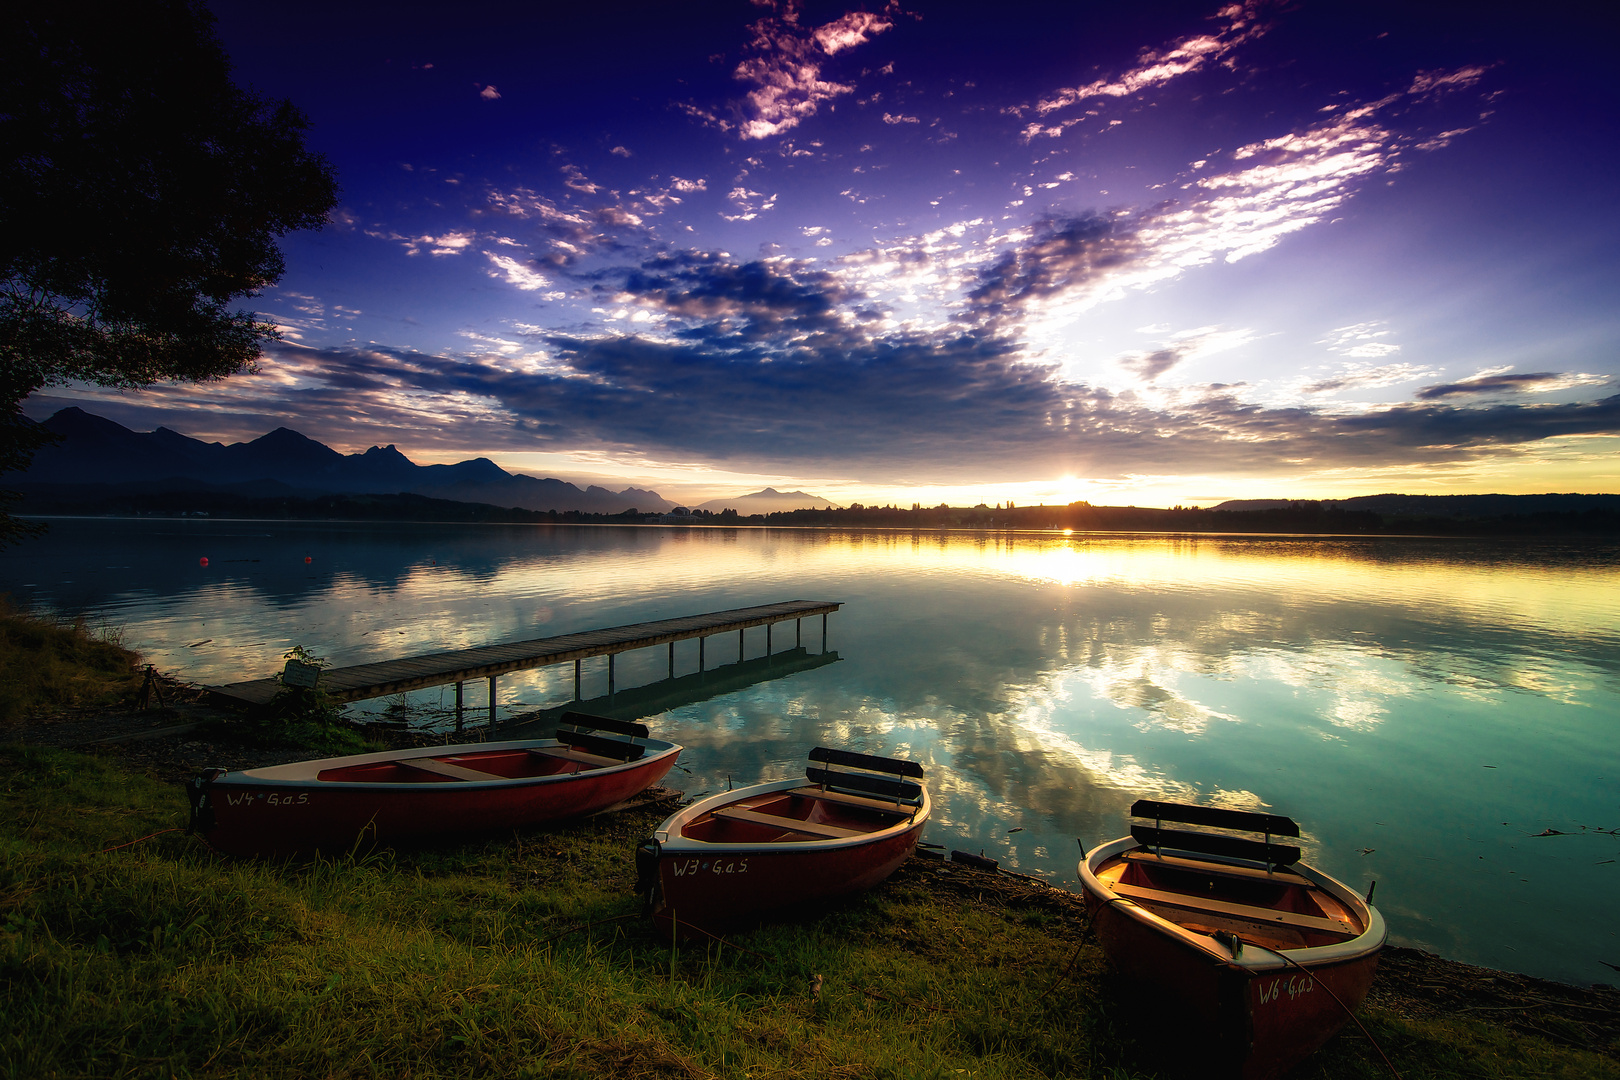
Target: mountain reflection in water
point(1422, 707)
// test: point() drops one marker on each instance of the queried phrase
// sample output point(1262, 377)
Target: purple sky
point(1158, 254)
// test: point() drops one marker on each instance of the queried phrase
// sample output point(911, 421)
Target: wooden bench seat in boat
point(885, 806)
point(1281, 876)
point(449, 769)
point(583, 732)
point(569, 753)
point(1236, 911)
point(788, 824)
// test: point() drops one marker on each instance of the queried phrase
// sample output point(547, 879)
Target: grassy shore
point(49, 665)
point(129, 950)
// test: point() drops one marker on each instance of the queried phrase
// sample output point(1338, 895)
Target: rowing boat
point(1256, 956)
point(736, 856)
point(424, 794)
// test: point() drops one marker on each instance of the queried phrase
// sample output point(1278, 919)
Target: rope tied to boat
point(1390, 1065)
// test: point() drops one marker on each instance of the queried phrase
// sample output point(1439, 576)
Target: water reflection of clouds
point(1354, 686)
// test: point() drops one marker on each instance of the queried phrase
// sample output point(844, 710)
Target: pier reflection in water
point(1423, 708)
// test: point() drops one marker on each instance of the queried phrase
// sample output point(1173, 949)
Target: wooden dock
point(380, 679)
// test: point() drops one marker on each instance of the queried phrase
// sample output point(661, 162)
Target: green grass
point(48, 665)
point(525, 956)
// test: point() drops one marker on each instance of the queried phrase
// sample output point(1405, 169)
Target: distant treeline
point(1297, 517)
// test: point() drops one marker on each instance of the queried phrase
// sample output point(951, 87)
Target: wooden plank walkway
point(437, 669)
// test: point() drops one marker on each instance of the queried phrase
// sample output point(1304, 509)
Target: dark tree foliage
point(141, 194)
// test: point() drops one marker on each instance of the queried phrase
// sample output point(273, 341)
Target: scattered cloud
point(1498, 382)
point(450, 243)
point(1362, 377)
point(516, 273)
point(748, 204)
point(488, 93)
point(785, 69)
point(1442, 81)
point(1240, 24)
point(1361, 340)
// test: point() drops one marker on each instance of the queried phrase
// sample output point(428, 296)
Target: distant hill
point(95, 456)
point(769, 501)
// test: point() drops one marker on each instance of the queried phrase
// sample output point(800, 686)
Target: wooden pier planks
point(385, 677)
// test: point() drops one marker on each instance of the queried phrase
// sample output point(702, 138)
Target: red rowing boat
point(739, 855)
point(407, 796)
point(1258, 957)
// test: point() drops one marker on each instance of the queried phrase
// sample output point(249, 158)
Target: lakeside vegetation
point(128, 949)
point(1532, 516)
point(48, 665)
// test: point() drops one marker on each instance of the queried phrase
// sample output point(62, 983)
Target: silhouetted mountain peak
point(95, 450)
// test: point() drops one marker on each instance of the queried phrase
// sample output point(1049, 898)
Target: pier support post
point(458, 706)
point(823, 631)
point(740, 633)
point(672, 659)
point(798, 632)
point(576, 678)
point(702, 641)
point(767, 642)
point(610, 674)
point(492, 679)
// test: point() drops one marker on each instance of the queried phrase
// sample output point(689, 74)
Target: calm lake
point(1423, 708)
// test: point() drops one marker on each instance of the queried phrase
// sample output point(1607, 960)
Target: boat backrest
point(583, 731)
point(866, 774)
point(1159, 839)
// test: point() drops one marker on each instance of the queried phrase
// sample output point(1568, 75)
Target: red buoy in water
point(203, 561)
point(309, 558)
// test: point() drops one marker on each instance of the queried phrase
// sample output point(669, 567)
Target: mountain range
point(94, 454)
point(769, 501)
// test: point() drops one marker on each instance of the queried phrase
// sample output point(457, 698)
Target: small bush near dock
point(127, 949)
point(49, 665)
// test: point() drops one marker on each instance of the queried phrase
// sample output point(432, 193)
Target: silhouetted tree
point(141, 193)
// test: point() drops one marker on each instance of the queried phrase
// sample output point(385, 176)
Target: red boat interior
point(1277, 908)
point(520, 764)
point(794, 816)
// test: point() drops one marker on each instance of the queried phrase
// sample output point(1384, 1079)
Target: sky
point(1151, 254)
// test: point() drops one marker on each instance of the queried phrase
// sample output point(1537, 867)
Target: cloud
point(516, 273)
point(855, 28)
point(1361, 377)
point(1441, 81)
point(576, 179)
point(450, 243)
point(1231, 206)
point(1540, 382)
point(488, 93)
point(1155, 67)
point(760, 365)
point(1062, 256)
point(1150, 366)
point(780, 301)
point(688, 186)
point(570, 232)
point(785, 68)
point(1361, 340)
point(748, 204)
